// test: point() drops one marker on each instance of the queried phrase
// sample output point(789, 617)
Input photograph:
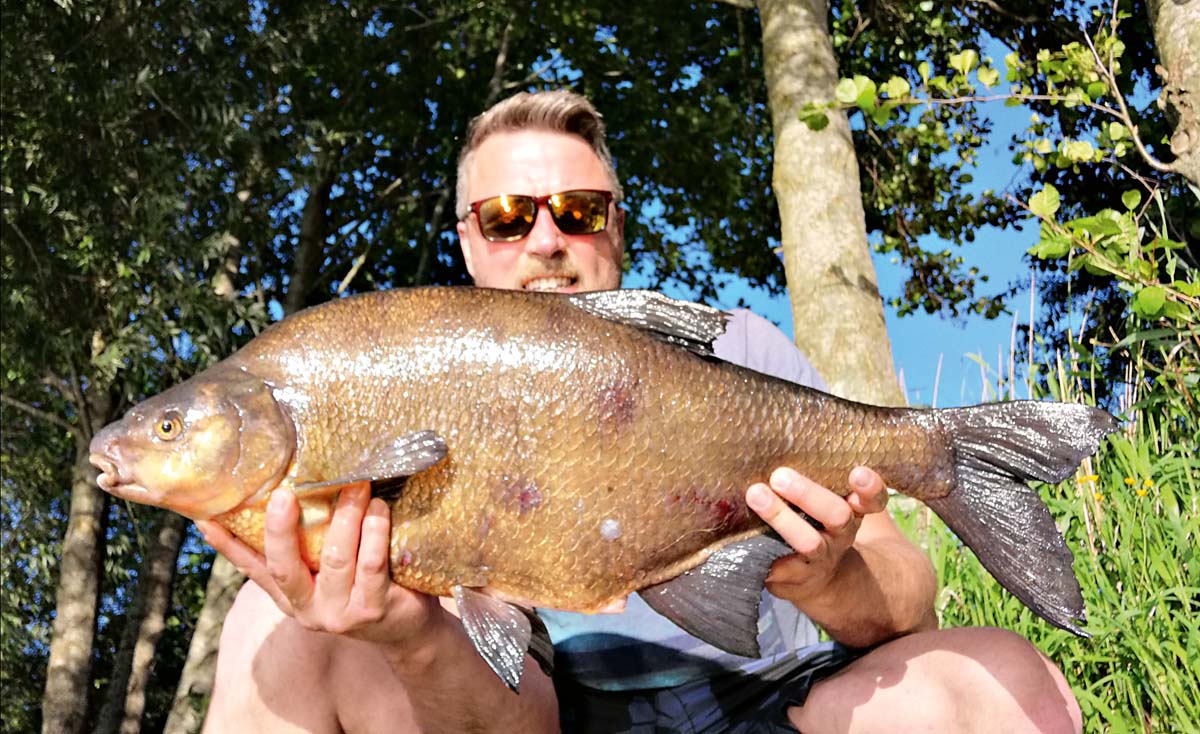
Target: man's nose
point(544, 240)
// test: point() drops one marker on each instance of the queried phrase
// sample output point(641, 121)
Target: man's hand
point(819, 553)
point(859, 578)
point(352, 594)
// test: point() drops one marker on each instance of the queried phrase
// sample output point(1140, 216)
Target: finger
point(867, 491)
point(372, 580)
point(794, 529)
point(282, 546)
point(816, 501)
point(340, 549)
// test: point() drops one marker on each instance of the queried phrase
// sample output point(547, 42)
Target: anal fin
point(718, 600)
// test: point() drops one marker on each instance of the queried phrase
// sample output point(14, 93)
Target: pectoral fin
point(386, 461)
point(503, 633)
point(718, 600)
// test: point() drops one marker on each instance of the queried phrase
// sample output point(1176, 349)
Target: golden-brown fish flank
point(558, 449)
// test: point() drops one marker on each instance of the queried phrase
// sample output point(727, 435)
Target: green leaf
point(1116, 131)
point(964, 61)
point(896, 87)
point(813, 115)
point(864, 94)
point(1131, 199)
point(1177, 311)
point(1186, 288)
point(1045, 202)
point(1103, 224)
point(1052, 247)
point(1012, 62)
point(883, 113)
point(988, 76)
point(923, 70)
point(1148, 302)
point(1079, 151)
point(846, 91)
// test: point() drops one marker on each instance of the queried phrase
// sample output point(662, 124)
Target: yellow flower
point(1142, 493)
point(1130, 481)
point(1099, 496)
point(1088, 478)
point(1147, 483)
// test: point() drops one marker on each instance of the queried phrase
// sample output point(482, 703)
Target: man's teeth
point(548, 284)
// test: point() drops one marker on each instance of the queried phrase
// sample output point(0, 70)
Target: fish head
point(201, 448)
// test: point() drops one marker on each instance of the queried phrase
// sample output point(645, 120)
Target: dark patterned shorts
point(731, 703)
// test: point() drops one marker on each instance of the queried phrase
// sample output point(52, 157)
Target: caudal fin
point(998, 447)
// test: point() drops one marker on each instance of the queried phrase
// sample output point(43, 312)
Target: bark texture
point(1177, 36)
point(835, 296)
point(196, 680)
point(144, 624)
point(69, 673)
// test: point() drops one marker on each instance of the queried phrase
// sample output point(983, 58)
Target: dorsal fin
point(692, 326)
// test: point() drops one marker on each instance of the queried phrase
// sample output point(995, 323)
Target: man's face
point(537, 163)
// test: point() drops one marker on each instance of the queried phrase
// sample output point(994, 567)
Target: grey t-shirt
point(641, 649)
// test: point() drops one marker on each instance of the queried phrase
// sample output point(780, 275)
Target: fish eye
point(170, 426)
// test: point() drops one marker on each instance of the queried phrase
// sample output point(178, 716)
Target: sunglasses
point(509, 217)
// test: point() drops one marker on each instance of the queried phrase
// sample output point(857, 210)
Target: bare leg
point(956, 680)
point(285, 678)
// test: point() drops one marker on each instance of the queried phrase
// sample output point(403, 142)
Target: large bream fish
point(565, 450)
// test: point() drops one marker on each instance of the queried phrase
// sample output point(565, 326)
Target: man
point(399, 661)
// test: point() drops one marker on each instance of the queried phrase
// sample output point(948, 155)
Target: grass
point(1132, 517)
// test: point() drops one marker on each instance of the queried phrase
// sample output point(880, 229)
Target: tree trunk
point(69, 673)
point(1177, 36)
point(144, 624)
point(196, 680)
point(825, 253)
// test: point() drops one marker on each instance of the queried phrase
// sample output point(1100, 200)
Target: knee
point(970, 679)
point(1000, 670)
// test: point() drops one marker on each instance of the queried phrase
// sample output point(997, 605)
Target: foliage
point(1088, 155)
point(28, 564)
point(916, 172)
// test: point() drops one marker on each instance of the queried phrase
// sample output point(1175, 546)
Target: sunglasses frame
point(538, 203)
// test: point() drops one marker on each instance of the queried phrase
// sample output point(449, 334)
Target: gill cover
point(202, 448)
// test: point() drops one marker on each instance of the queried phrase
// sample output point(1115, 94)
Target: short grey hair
point(557, 111)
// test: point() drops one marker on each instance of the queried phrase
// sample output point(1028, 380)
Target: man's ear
point(464, 244)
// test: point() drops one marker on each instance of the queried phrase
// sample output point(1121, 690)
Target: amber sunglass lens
point(579, 212)
point(506, 218)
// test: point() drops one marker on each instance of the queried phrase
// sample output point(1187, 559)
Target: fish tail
point(997, 448)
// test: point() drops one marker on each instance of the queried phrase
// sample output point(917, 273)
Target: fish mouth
point(557, 283)
point(111, 481)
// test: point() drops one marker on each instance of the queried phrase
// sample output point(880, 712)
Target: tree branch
point(42, 415)
point(1124, 115)
point(496, 84)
